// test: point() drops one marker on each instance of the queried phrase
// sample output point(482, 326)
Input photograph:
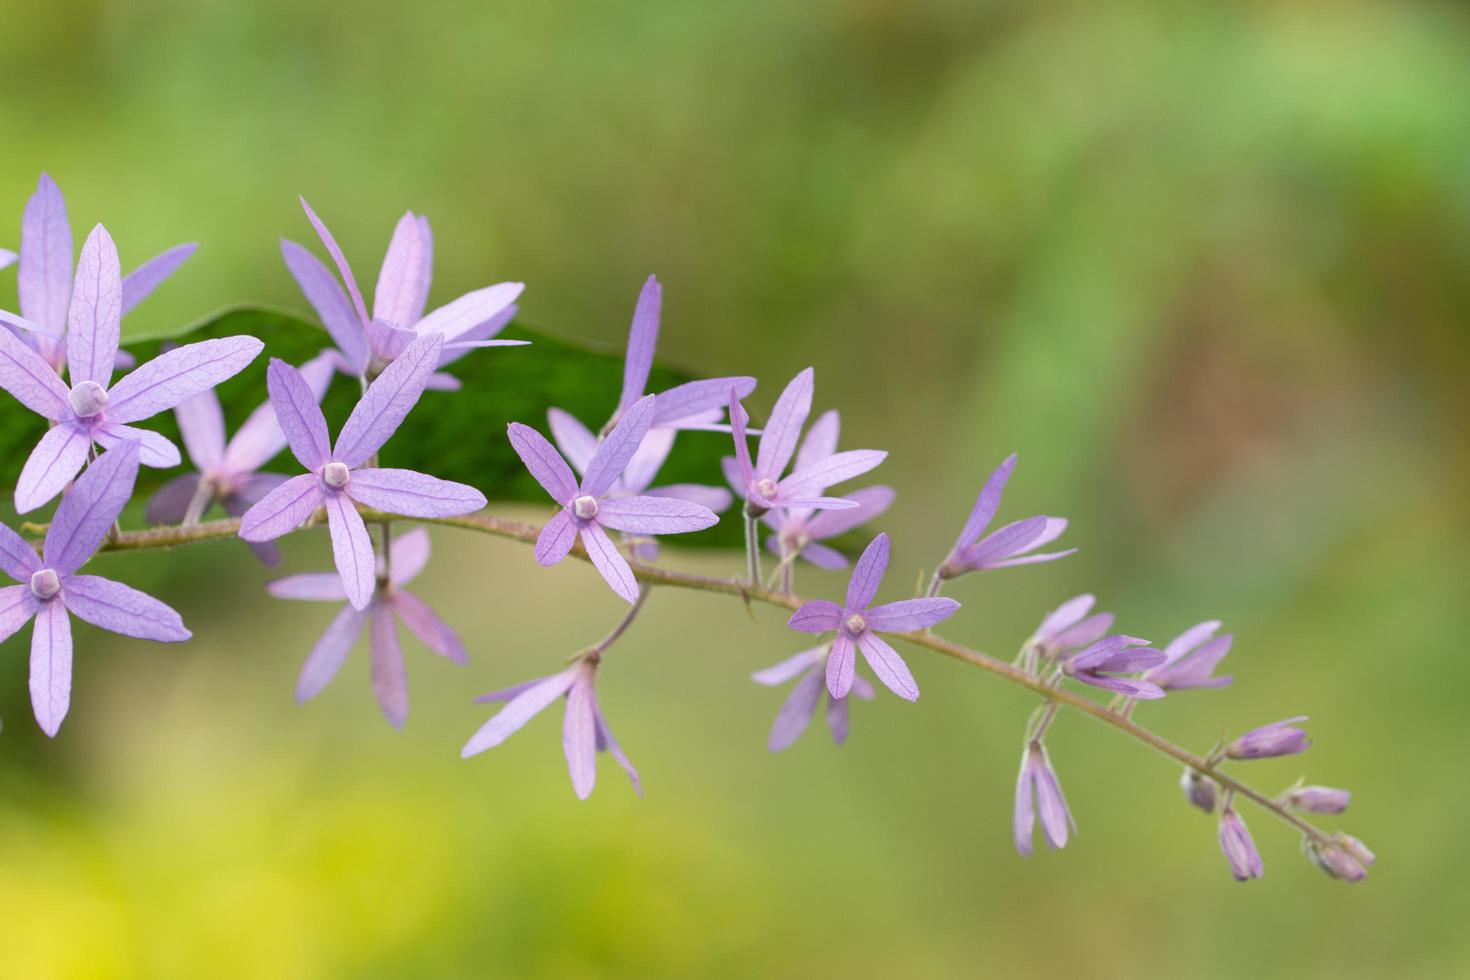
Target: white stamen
point(855, 624)
point(334, 475)
point(88, 399)
point(585, 507)
point(45, 583)
point(766, 487)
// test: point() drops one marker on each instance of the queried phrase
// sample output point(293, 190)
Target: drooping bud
point(1357, 849)
point(45, 583)
point(88, 399)
point(1334, 859)
point(585, 507)
point(1199, 790)
point(335, 474)
point(1318, 799)
point(1240, 850)
point(1277, 738)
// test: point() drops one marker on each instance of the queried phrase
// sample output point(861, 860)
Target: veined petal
point(390, 685)
point(122, 609)
point(870, 501)
point(744, 474)
point(45, 278)
point(556, 539)
point(868, 574)
point(410, 552)
point(820, 440)
point(352, 549)
point(17, 558)
point(910, 614)
point(986, 504)
point(528, 703)
point(1189, 639)
point(94, 320)
point(841, 665)
point(329, 653)
point(412, 494)
point(455, 319)
point(139, 284)
point(606, 742)
point(309, 586)
point(575, 441)
point(202, 425)
point(331, 304)
point(543, 462)
point(153, 449)
point(27, 376)
point(647, 460)
point(51, 666)
point(642, 339)
point(824, 557)
point(173, 376)
point(796, 712)
point(282, 510)
point(609, 562)
point(387, 402)
point(835, 469)
point(616, 451)
point(654, 515)
point(688, 403)
point(88, 510)
point(579, 733)
point(17, 605)
point(790, 667)
point(783, 429)
point(343, 269)
point(816, 616)
point(261, 436)
point(403, 281)
point(888, 665)
point(715, 499)
point(57, 458)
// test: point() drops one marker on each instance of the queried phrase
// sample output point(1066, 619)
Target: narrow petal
point(871, 501)
point(609, 561)
point(94, 320)
point(403, 281)
point(687, 404)
point(831, 471)
point(309, 586)
point(816, 503)
point(910, 614)
point(1189, 639)
point(282, 510)
point(839, 717)
point(816, 616)
point(986, 504)
point(841, 665)
point(476, 337)
point(122, 609)
point(329, 653)
point(457, 318)
point(413, 494)
point(45, 278)
point(868, 574)
point(824, 557)
point(173, 376)
point(649, 458)
point(343, 269)
point(139, 284)
point(331, 304)
point(556, 539)
point(715, 499)
point(642, 339)
point(579, 734)
point(613, 456)
point(744, 473)
point(51, 666)
point(605, 741)
point(796, 712)
point(1009, 540)
point(1023, 821)
point(387, 401)
point(57, 458)
point(17, 558)
point(1029, 559)
point(390, 685)
point(1055, 817)
point(575, 441)
point(27, 376)
point(784, 671)
point(410, 552)
point(153, 449)
point(820, 440)
point(425, 624)
point(202, 424)
point(888, 665)
point(783, 429)
point(17, 605)
point(1065, 616)
point(88, 510)
point(261, 436)
point(352, 549)
point(654, 515)
point(522, 708)
point(543, 462)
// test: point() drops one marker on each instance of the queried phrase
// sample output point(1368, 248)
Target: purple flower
point(1240, 850)
point(1007, 546)
point(796, 713)
point(369, 344)
point(761, 483)
point(1190, 661)
point(94, 409)
point(1115, 655)
point(1277, 738)
point(50, 587)
point(1198, 789)
point(342, 476)
point(1318, 799)
point(588, 510)
point(227, 472)
point(1038, 777)
point(584, 730)
point(45, 280)
point(858, 623)
point(1068, 628)
point(409, 553)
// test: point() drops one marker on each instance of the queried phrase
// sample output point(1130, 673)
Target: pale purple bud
point(585, 507)
point(1334, 859)
point(335, 475)
point(1199, 789)
point(1039, 778)
point(1240, 850)
point(1277, 738)
point(1318, 799)
point(1357, 849)
point(88, 399)
point(45, 583)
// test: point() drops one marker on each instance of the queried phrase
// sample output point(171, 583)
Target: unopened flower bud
point(1277, 738)
point(1240, 850)
point(1318, 799)
point(1199, 790)
point(1333, 859)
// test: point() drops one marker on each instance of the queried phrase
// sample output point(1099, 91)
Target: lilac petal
point(648, 460)
point(283, 510)
point(1023, 820)
point(642, 339)
point(820, 440)
point(153, 449)
point(467, 341)
point(654, 515)
point(508, 693)
point(425, 624)
point(783, 429)
point(51, 666)
point(816, 503)
point(605, 741)
point(816, 616)
point(261, 436)
point(413, 494)
point(142, 281)
point(910, 614)
point(1139, 689)
point(617, 450)
point(888, 665)
point(27, 376)
point(343, 269)
point(868, 573)
point(309, 586)
point(202, 424)
point(841, 665)
point(170, 502)
point(386, 402)
point(824, 557)
point(609, 561)
point(403, 281)
point(744, 474)
point(1065, 616)
point(579, 734)
point(839, 718)
point(543, 462)
point(17, 605)
point(575, 440)
point(253, 489)
point(1030, 559)
point(1009, 540)
point(871, 501)
point(122, 609)
point(686, 404)
point(95, 317)
point(330, 302)
point(715, 499)
point(1240, 849)
point(831, 471)
point(1189, 639)
point(1055, 816)
point(171, 377)
point(1132, 659)
point(390, 686)
point(87, 512)
point(730, 470)
point(796, 712)
point(17, 558)
point(556, 539)
point(439, 381)
point(329, 653)
point(1194, 669)
point(45, 279)
point(1089, 631)
point(457, 318)
point(410, 552)
point(30, 327)
point(352, 550)
point(386, 341)
point(784, 671)
point(57, 458)
point(986, 504)
point(861, 688)
point(528, 703)
point(236, 505)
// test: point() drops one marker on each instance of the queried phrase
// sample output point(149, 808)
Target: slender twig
point(171, 537)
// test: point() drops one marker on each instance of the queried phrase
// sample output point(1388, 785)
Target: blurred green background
point(1205, 266)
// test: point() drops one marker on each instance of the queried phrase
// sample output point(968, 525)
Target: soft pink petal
point(260, 437)
point(824, 557)
point(648, 459)
point(403, 281)
point(716, 499)
point(871, 501)
point(579, 734)
point(744, 475)
point(202, 424)
point(606, 742)
point(410, 551)
point(343, 269)
point(309, 586)
point(642, 339)
point(837, 468)
point(1189, 639)
point(575, 441)
point(455, 319)
point(784, 671)
point(45, 278)
point(820, 441)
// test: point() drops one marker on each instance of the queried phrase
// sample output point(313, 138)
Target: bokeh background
point(1205, 266)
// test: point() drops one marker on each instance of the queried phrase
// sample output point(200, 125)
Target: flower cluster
point(58, 355)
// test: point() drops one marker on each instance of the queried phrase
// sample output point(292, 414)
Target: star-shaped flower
point(761, 483)
point(94, 409)
point(341, 475)
point(1191, 657)
point(584, 729)
point(1102, 663)
point(858, 624)
point(50, 586)
point(1006, 546)
point(368, 344)
point(588, 509)
point(796, 713)
point(227, 471)
point(45, 281)
point(409, 554)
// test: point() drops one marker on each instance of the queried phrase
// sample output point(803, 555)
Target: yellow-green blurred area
point(1204, 266)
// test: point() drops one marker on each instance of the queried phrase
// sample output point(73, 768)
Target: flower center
point(585, 507)
point(766, 487)
point(88, 399)
point(855, 624)
point(45, 583)
point(334, 475)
